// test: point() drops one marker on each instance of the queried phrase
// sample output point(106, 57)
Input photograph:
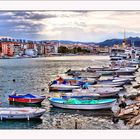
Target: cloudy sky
point(84, 26)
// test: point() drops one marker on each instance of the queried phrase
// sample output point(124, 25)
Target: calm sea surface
point(33, 75)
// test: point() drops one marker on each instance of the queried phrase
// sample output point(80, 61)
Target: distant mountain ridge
point(111, 42)
point(70, 42)
point(108, 42)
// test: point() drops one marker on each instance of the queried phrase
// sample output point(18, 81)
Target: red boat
point(27, 98)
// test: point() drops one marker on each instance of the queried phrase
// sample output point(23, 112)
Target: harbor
point(77, 78)
point(33, 75)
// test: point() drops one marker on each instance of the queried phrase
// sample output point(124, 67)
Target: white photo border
point(69, 134)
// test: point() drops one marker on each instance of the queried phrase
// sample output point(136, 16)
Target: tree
point(63, 49)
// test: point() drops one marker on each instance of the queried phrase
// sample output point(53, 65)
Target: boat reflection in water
point(24, 124)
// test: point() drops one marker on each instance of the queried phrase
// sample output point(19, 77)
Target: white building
point(31, 52)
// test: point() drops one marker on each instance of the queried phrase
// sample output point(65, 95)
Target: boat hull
point(62, 103)
point(63, 88)
point(105, 86)
point(83, 107)
point(124, 72)
point(26, 100)
point(20, 113)
point(93, 94)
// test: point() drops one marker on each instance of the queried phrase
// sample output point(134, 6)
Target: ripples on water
point(33, 75)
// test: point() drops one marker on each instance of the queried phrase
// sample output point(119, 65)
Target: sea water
point(33, 76)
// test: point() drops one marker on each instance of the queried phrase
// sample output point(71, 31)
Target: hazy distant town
point(13, 48)
point(46, 33)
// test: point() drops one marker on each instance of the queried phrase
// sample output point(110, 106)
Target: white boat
point(124, 71)
point(96, 92)
point(20, 112)
point(115, 58)
point(62, 87)
point(115, 80)
point(135, 62)
point(129, 68)
point(81, 95)
point(129, 77)
point(82, 104)
point(105, 85)
point(121, 83)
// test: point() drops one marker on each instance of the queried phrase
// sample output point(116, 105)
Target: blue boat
point(27, 98)
point(82, 104)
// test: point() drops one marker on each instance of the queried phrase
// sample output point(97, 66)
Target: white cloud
point(77, 25)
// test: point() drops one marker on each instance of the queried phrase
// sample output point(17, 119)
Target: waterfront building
point(7, 48)
point(40, 49)
point(31, 52)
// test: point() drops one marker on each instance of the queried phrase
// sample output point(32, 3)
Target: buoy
point(14, 80)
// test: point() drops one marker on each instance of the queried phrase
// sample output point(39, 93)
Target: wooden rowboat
point(20, 113)
point(27, 98)
point(103, 85)
point(82, 104)
point(62, 87)
point(94, 92)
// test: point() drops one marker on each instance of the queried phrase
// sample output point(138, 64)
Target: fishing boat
point(74, 81)
point(97, 92)
point(93, 69)
point(123, 55)
point(87, 75)
point(27, 98)
point(134, 62)
point(62, 87)
point(89, 95)
point(128, 68)
point(106, 73)
point(119, 78)
point(124, 71)
point(115, 80)
point(119, 83)
point(96, 76)
point(101, 71)
point(83, 74)
point(73, 72)
point(90, 81)
point(129, 77)
point(104, 85)
point(82, 104)
point(115, 70)
point(100, 90)
point(81, 96)
point(21, 113)
point(115, 58)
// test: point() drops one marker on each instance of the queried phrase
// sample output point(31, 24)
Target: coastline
point(77, 57)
